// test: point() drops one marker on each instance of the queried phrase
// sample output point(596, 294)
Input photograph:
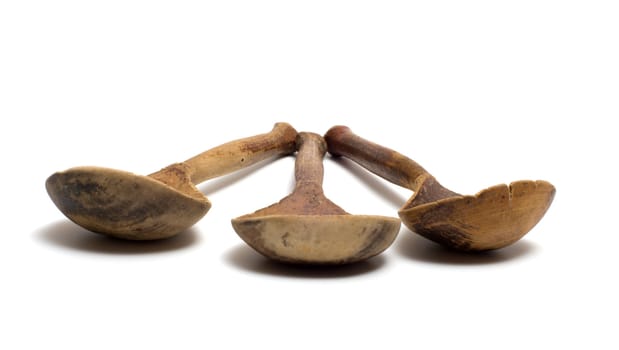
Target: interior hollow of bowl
point(122, 204)
point(318, 239)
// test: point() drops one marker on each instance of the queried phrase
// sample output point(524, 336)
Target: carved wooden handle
point(380, 160)
point(309, 169)
point(242, 153)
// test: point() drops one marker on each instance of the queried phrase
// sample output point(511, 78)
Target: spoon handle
point(242, 153)
point(380, 160)
point(308, 168)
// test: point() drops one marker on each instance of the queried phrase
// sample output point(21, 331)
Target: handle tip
point(334, 135)
point(310, 137)
point(284, 128)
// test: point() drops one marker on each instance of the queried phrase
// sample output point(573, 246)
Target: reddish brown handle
point(308, 169)
point(380, 160)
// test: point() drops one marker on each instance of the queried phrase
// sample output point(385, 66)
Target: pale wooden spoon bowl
point(307, 228)
point(129, 206)
point(493, 218)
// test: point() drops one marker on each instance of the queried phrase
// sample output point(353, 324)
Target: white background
point(478, 92)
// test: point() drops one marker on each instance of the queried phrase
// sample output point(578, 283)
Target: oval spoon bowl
point(122, 204)
point(318, 239)
point(493, 218)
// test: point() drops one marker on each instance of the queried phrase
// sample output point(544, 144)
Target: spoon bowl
point(493, 218)
point(317, 239)
point(124, 205)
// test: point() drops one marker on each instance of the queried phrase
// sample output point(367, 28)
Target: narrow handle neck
point(380, 160)
point(309, 169)
point(242, 153)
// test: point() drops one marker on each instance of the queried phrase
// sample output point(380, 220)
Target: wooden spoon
point(307, 228)
point(163, 204)
point(493, 218)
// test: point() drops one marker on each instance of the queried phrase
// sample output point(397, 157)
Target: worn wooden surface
point(305, 227)
point(163, 204)
point(493, 218)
